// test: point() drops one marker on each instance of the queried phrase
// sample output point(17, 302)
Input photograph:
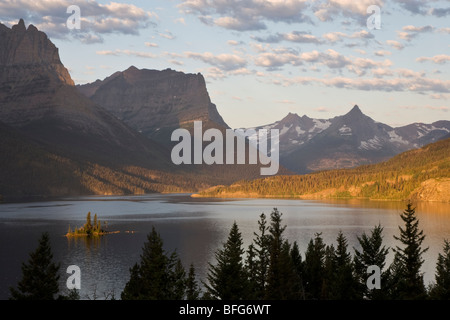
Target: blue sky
point(265, 58)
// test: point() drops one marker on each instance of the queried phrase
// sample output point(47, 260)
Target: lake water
point(194, 227)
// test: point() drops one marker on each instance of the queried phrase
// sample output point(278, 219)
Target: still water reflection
point(193, 227)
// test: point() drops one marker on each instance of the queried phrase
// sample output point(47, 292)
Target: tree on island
point(89, 228)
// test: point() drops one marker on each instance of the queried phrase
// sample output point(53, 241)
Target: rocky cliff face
point(38, 97)
point(155, 102)
point(29, 66)
point(28, 48)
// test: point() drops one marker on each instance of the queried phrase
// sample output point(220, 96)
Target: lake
point(195, 227)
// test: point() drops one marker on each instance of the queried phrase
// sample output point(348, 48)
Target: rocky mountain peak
point(154, 102)
point(356, 111)
point(291, 118)
point(20, 26)
point(27, 52)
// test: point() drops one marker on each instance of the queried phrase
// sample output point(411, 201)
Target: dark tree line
point(271, 268)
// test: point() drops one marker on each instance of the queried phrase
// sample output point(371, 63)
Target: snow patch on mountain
point(285, 129)
point(345, 131)
point(394, 137)
point(299, 130)
point(372, 144)
point(320, 125)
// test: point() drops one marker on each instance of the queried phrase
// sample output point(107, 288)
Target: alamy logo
point(374, 280)
point(234, 146)
point(374, 20)
point(74, 21)
point(74, 280)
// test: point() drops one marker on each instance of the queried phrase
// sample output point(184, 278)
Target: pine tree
point(192, 287)
point(228, 277)
point(344, 287)
point(281, 275)
point(297, 263)
point(88, 225)
point(258, 260)
point(40, 276)
point(314, 267)
point(95, 224)
point(327, 286)
point(157, 276)
point(441, 289)
point(254, 292)
point(133, 288)
point(373, 253)
point(411, 284)
point(177, 278)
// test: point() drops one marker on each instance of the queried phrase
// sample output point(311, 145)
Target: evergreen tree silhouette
point(228, 277)
point(409, 284)
point(441, 289)
point(158, 276)
point(39, 276)
point(373, 253)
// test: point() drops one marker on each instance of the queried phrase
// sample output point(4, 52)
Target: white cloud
point(412, 84)
point(246, 15)
point(395, 44)
point(440, 12)
point(438, 108)
point(439, 59)
point(330, 9)
point(294, 36)
point(223, 61)
point(382, 53)
point(151, 44)
point(274, 60)
point(120, 52)
point(409, 32)
point(414, 6)
point(167, 35)
point(96, 18)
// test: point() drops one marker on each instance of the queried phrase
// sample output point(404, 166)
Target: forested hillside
point(421, 174)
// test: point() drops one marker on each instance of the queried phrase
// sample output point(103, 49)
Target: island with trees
point(89, 229)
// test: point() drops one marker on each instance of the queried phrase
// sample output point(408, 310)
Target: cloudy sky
point(265, 58)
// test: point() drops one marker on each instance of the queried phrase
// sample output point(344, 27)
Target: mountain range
point(112, 136)
point(347, 141)
point(69, 144)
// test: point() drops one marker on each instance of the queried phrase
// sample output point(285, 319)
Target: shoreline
point(304, 197)
point(96, 234)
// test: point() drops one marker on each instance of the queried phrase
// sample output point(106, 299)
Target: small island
point(89, 229)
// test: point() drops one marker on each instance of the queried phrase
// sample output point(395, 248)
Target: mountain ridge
point(346, 141)
point(155, 102)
